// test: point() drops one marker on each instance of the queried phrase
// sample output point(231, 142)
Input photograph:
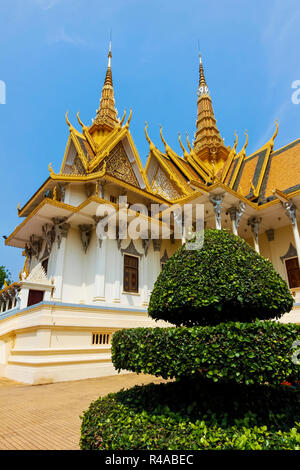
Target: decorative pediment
point(38, 275)
point(131, 250)
point(162, 185)
point(165, 257)
point(119, 166)
point(291, 253)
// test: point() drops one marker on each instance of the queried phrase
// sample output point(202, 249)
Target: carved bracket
point(61, 228)
point(156, 244)
point(254, 223)
point(35, 244)
point(216, 200)
point(85, 235)
point(146, 244)
point(290, 208)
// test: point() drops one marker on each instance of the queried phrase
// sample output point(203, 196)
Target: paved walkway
point(46, 417)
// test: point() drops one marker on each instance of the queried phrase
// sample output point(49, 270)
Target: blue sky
point(54, 55)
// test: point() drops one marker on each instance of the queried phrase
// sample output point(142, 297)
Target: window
point(100, 338)
point(34, 297)
point(131, 274)
point(293, 272)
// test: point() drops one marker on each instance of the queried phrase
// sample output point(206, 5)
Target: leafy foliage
point(224, 281)
point(246, 353)
point(192, 415)
point(4, 275)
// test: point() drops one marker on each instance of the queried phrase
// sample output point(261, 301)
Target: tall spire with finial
point(107, 114)
point(207, 133)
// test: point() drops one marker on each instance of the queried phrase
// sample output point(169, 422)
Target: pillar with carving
point(290, 208)
point(254, 224)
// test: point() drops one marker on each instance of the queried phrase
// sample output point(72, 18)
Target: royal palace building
point(77, 288)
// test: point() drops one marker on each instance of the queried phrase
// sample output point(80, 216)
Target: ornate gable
point(162, 185)
point(119, 166)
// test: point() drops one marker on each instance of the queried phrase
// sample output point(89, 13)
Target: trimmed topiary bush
point(228, 363)
point(224, 281)
point(192, 415)
point(249, 353)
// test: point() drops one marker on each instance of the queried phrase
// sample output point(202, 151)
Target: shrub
point(224, 281)
point(192, 416)
point(246, 353)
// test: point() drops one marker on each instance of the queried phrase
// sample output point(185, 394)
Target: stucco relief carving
point(146, 244)
point(85, 235)
point(156, 244)
point(164, 257)
point(163, 186)
point(131, 250)
point(291, 253)
point(35, 244)
point(61, 228)
point(216, 200)
point(49, 237)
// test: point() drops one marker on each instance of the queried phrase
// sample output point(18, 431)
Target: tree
point(226, 280)
point(4, 275)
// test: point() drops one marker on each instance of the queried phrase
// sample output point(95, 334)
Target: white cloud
point(46, 4)
point(63, 36)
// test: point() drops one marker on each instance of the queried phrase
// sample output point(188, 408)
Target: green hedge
point(247, 353)
point(192, 416)
point(226, 280)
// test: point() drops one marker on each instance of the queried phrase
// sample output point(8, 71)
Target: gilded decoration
point(77, 167)
point(118, 165)
point(163, 186)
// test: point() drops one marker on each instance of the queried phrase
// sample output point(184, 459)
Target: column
point(254, 223)
point(117, 261)
point(100, 270)
point(216, 200)
point(290, 208)
point(236, 214)
point(61, 230)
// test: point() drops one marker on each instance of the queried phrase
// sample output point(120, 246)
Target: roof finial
point(109, 54)
point(107, 113)
point(202, 81)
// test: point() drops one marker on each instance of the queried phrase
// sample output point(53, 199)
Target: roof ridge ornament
point(151, 144)
point(185, 153)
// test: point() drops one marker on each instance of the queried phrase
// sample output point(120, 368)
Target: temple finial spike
point(109, 54)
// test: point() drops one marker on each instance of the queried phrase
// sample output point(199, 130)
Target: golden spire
point(207, 133)
point(107, 113)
